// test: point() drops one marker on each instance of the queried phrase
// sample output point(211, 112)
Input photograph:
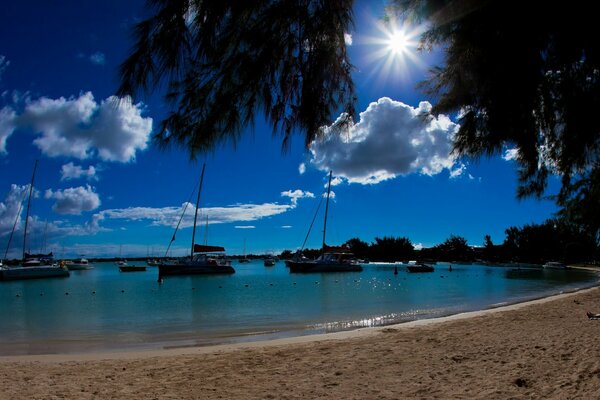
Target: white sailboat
point(34, 266)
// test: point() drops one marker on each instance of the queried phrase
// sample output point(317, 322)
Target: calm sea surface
point(105, 309)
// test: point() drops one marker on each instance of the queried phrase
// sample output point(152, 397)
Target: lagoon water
point(105, 309)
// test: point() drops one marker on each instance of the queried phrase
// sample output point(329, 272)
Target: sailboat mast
point(326, 210)
point(197, 204)
point(28, 205)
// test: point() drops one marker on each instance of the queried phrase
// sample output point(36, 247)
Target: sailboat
point(203, 260)
point(332, 258)
point(34, 266)
point(244, 259)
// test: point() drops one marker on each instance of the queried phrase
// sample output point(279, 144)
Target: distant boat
point(34, 266)
point(414, 266)
point(152, 262)
point(555, 265)
point(332, 259)
point(245, 259)
point(270, 261)
point(78, 264)
point(203, 260)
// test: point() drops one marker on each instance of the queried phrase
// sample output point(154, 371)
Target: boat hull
point(132, 268)
point(78, 267)
point(420, 268)
point(194, 269)
point(317, 267)
point(38, 272)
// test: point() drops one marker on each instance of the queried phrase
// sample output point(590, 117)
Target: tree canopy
point(521, 78)
point(223, 62)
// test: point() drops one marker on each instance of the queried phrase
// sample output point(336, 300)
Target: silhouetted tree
point(391, 249)
point(359, 248)
point(525, 78)
point(455, 248)
point(551, 240)
point(286, 255)
point(224, 62)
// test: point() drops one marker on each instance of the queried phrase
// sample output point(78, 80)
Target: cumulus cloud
point(74, 200)
point(391, 139)
point(112, 130)
point(98, 58)
point(71, 171)
point(510, 154)
point(348, 39)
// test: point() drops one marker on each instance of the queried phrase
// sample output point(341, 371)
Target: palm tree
point(222, 63)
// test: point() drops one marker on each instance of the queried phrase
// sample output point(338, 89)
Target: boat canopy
point(198, 248)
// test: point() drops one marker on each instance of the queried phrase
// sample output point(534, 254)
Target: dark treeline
point(552, 240)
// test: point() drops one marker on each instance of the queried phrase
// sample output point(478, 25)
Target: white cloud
point(510, 154)
point(244, 227)
point(10, 207)
point(294, 195)
point(72, 171)
point(98, 58)
point(302, 168)
point(113, 130)
point(418, 246)
point(74, 200)
point(286, 226)
point(4, 63)
point(169, 216)
point(7, 126)
point(391, 139)
point(348, 39)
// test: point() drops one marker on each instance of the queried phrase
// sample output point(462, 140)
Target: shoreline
point(169, 349)
point(545, 348)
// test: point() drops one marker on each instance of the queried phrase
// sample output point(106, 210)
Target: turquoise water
point(104, 309)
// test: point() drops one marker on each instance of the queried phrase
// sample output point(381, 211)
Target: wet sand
point(542, 349)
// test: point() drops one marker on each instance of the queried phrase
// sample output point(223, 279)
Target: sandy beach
point(547, 348)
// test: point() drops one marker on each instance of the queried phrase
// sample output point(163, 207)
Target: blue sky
point(102, 187)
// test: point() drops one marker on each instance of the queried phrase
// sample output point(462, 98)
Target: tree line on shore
point(553, 240)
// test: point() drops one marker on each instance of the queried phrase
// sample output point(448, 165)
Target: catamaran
point(332, 258)
point(34, 266)
point(203, 259)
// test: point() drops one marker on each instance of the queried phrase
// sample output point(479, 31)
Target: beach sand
point(542, 349)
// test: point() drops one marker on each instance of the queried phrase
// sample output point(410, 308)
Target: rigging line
point(181, 217)
point(311, 224)
point(15, 224)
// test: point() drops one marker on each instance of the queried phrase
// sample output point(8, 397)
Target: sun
point(398, 42)
point(393, 50)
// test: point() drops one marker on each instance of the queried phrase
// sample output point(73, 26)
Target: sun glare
point(393, 50)
point(397, 42)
